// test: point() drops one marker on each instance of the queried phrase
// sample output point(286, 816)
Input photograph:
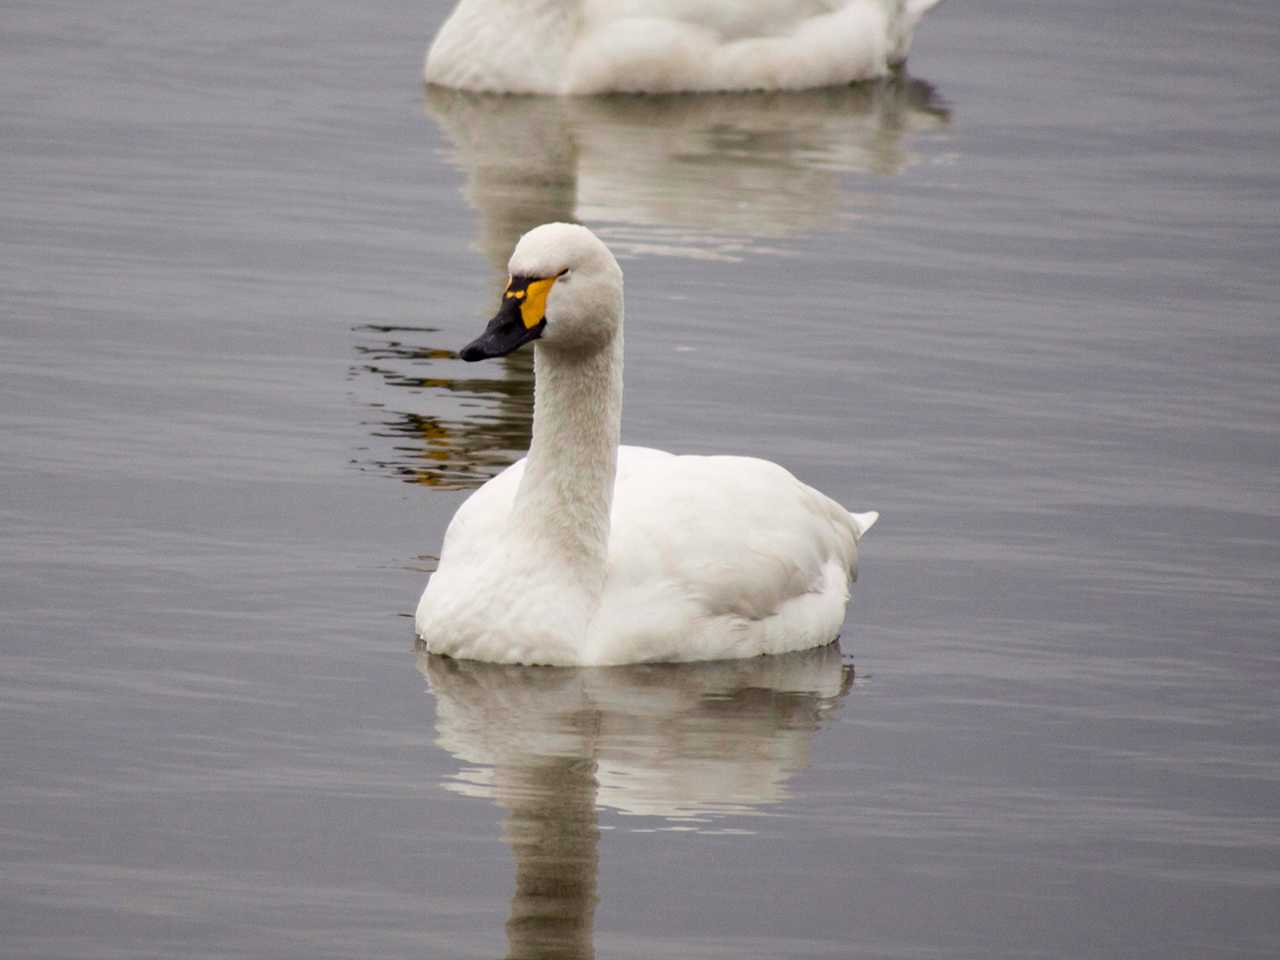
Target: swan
point(586, 553)
point(668, 46)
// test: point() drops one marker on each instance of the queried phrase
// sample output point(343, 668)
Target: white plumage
point(666, 46)
point(587, 553)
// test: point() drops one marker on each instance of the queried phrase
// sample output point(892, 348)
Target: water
point(1023, 303)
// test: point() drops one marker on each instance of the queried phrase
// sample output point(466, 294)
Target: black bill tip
point(500, 339)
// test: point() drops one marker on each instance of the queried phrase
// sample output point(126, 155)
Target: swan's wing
point(733, 539)
point(707, 45)
point(728, 21)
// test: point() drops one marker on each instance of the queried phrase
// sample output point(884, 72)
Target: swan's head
point(565, 290)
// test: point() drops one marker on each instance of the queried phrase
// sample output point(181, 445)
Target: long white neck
point(566, 493)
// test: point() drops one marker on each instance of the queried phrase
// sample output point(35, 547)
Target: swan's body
point(667, 46)
point(587, 553)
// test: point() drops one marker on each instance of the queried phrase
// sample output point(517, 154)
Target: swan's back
point(716, 557)
point(667, 46)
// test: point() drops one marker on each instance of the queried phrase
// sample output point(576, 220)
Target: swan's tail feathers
point(862, 522)
point(918, 8)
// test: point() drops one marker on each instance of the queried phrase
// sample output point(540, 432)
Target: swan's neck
point(561, 510)
point(554, 833)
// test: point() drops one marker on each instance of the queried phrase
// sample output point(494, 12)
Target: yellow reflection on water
point(467, 428)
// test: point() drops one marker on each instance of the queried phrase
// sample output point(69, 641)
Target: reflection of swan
point(667, 740)
point(701, 175)
point(588, 553)
point(686, 742)
point(666, 46)
point(477, 427)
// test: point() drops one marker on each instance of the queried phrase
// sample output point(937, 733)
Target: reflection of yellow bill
point(532, 298)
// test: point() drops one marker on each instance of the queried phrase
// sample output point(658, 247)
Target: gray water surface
point(1021, 299)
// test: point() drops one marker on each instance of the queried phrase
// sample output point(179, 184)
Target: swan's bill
point(521, 317)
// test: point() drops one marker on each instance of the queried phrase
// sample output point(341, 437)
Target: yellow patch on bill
point(534, 307)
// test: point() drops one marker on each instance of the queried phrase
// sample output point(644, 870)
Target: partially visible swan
point(667, 46)
point(587, 553)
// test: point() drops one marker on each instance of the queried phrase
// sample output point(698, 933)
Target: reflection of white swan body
point(585, 553)
point(664, 740)
point(685, 742)
point(663, 46)
point(703, 175)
